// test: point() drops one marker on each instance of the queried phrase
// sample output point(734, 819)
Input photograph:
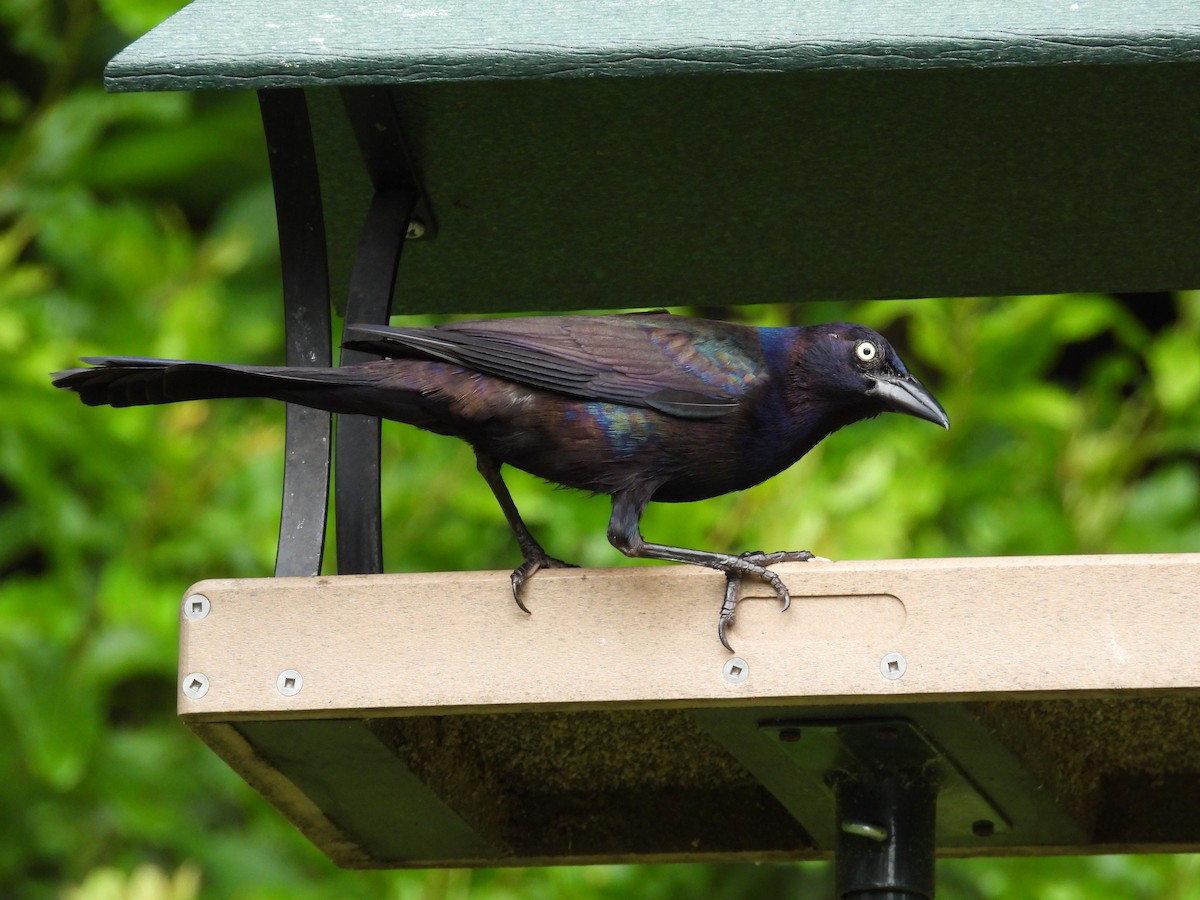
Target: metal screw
point(196, 606)
point(195, 686)
point(416, 230)
point(892, 666)
point(735, 670)
point(983, 828)
point(867, 830)
point(289, 682)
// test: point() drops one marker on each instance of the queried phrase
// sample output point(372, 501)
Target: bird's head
point(857, 367)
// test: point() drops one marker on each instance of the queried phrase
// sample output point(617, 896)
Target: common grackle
point(642, 407)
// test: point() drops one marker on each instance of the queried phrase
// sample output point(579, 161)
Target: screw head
point(735, 670)
point(195, 685)
point(892, 666)
point(196, 606)
point(289, 682)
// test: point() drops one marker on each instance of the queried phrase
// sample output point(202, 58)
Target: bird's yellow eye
point(866, 351)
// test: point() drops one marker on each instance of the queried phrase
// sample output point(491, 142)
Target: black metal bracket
point(891, 787)
point(389, 221)
point(307, 324)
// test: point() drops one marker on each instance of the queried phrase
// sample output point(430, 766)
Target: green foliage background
point(143, 224)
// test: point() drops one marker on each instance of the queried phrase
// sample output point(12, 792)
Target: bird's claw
point(755, 564)
point(733, 584)
point(527, 569)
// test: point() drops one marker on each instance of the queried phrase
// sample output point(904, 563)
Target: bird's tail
point(138, 381)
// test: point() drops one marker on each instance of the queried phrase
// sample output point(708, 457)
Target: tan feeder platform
point(536, 154)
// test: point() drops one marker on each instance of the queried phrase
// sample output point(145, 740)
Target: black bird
point(642, 407)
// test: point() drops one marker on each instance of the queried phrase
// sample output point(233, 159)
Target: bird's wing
point(693, 368)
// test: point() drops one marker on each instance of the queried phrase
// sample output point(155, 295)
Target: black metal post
point(307, 324)
point(359, 516)
point(308, 321)
point(372, 281)
point(885, 843)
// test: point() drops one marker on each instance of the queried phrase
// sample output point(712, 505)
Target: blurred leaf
point(135, 17)
point(146, 882)
point(1084, 316)
point(1175, 366)
point(53, 712)
point(31, 27)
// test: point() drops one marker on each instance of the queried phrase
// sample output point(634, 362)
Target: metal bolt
point(196, 606)
point(289, 682)
point(866, 829)
point(892, 666)
point(416, 230)
point(195, 686)
point(735, 670)
point(983, 828)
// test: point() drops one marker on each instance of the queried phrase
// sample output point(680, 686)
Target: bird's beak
point(904, 394)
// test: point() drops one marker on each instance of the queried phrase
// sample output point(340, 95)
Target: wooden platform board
point(421, 720)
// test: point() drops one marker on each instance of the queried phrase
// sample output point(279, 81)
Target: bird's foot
point(756, 562)
point(533, 564)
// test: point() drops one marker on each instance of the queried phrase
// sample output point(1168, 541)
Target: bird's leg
point(624, 533)
point(535, 557)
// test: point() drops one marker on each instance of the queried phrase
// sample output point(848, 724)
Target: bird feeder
point(535, 155)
